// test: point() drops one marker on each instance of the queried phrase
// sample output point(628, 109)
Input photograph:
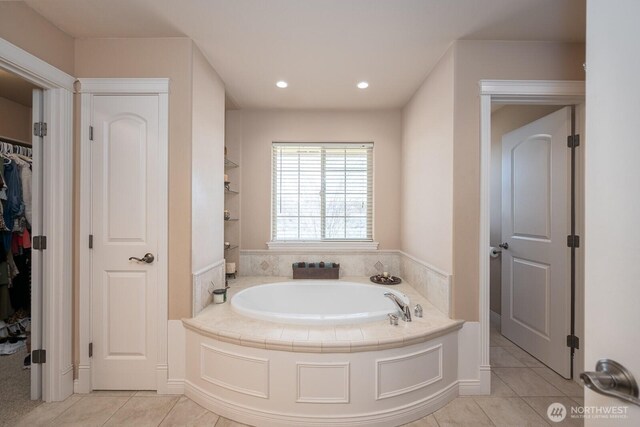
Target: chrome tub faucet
point(404, 309)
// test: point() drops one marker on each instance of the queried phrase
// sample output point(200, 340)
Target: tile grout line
point(116, 411)
point(483, 411)
point(72, 405)
point(534, 409)
point(169, 411)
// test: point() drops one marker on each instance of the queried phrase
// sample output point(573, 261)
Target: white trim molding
point(549, 92)
point(32, 68)
point(57, 202)
point(324, 246)
point(124, 86)
point(88, 88)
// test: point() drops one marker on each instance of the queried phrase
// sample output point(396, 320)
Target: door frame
point(57, 189)
point(547, 92)
point(121, 86)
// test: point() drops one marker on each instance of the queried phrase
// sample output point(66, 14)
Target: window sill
point(322, 246)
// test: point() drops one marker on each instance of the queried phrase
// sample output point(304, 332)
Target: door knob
point(504, 245)
point(148, 258)
point(612, 379)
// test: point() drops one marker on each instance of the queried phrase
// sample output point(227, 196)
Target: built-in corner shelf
point(231, 233)
point(232, 219)
point(228, 164)
point(227, 191)
point(230, 248)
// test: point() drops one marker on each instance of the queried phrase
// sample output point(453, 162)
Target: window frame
point(324, 244)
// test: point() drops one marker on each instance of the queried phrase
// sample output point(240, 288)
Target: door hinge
point(39, 243)
point(90, 349)
point(573, 341)
point(90, 133)
point(90, 241)
point(39, 356)
point(40, 129)
point(573, 141)
point(573, 241)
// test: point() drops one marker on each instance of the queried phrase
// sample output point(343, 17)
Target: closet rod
point(15, 142)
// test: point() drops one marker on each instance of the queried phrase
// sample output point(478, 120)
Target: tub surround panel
point(430, 282)
point(328, 389)
point(202, 286)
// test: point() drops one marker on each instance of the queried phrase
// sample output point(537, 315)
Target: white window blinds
point(322, 191)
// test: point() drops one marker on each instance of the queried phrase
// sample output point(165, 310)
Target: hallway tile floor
point(521, 391)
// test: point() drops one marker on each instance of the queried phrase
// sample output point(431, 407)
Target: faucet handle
point(418, 310)
point(393, 319)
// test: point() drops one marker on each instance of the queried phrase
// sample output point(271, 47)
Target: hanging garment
point(25, 178)
point(3, 186)
point(5, 302)
point(14, 206)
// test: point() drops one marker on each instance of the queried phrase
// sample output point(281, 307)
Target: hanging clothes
point(14, 205)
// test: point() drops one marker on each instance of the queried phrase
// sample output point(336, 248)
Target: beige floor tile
point(526, 383)
point(501, 358)
point(498, 340)
point(143, 411)
point(225, 422)
point(461, 412)
point(541, 404)
point(509, 411)
point(148, 393)
point(499, 388)
point(188, 413)
point(45, 413)
point(578, 400)
point(524, 357)
point(568, 387)
point(428, 421)
point(91, 411)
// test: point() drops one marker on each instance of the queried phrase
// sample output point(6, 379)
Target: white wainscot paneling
point(323, 382)
point(400, 375)
point(236, 372)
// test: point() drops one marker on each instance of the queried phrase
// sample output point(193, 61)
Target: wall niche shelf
point(232, 219)
point(230, 248)
point(227, 191)
point(231, 205)
point(228, 164)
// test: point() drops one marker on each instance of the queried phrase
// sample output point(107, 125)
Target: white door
point(612, 201)
point(125, 221)
point(535, 225)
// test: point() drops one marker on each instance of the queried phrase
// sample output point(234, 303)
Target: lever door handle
point(148, 258)
point(504, 245)
point(612, 379)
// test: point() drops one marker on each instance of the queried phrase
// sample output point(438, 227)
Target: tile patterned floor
point(521, 391)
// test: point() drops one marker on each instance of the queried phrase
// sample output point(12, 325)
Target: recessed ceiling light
point(282, 84)
point(363, 85)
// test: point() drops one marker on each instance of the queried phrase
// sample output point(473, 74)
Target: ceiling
point(322, 48)
point(15, 88)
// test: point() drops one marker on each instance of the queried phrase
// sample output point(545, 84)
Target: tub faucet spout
point(404, 309)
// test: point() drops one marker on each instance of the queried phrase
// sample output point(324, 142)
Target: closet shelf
point(228, 164)
point(230, 248)
point(227, 191)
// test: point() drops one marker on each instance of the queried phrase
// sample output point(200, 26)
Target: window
point(322, 192)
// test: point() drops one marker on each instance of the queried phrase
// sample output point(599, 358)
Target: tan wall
point(207, 165)
point(427, 168)
point(504, 120)
point(261, 127)
point(15, 120)
point(25, 28)
point(476, 60)
point(163, 57)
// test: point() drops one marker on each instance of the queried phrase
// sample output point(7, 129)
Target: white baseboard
point(82, 384)
point(170, 378)
point(473, 378)
point(494, 319)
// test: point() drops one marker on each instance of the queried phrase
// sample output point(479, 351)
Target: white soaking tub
point(316, 302)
